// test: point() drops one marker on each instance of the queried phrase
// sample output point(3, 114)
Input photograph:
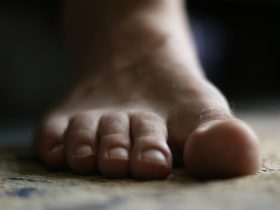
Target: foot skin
point(137, 118)
point(135, 125)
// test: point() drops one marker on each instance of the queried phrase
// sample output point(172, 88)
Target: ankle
point(116, 26)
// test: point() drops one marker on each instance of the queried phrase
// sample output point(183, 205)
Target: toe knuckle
point(148, 116)
point(114, 116)
point(115, 139)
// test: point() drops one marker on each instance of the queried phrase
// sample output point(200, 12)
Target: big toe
point(222, 149)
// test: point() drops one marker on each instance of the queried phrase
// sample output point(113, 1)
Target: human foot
point(124, 116)
point(149, 105)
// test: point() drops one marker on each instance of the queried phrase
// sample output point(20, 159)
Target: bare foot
point(143, 104)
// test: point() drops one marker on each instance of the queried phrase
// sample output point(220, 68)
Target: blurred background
point(238, 43)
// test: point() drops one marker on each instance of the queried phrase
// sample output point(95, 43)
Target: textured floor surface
point(26, 184)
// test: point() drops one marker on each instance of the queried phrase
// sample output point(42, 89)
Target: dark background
point(238, 43)
point(249, 63)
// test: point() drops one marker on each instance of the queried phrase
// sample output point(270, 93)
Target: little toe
point(49, 141)
point(81, 143)
point(222, 149)
point(151, 157)
point(114, 150)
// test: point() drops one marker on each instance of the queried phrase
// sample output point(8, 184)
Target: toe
point(49, 142)
point(114, 150)
point(222, 149)
point(81, 142)
point(151, 157)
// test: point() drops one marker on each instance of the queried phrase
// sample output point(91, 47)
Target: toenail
point(57, 148)
point(118, 153)
point(83, 151)
point(154, 157)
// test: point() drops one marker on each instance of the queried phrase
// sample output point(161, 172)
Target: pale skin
point(142, 103)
